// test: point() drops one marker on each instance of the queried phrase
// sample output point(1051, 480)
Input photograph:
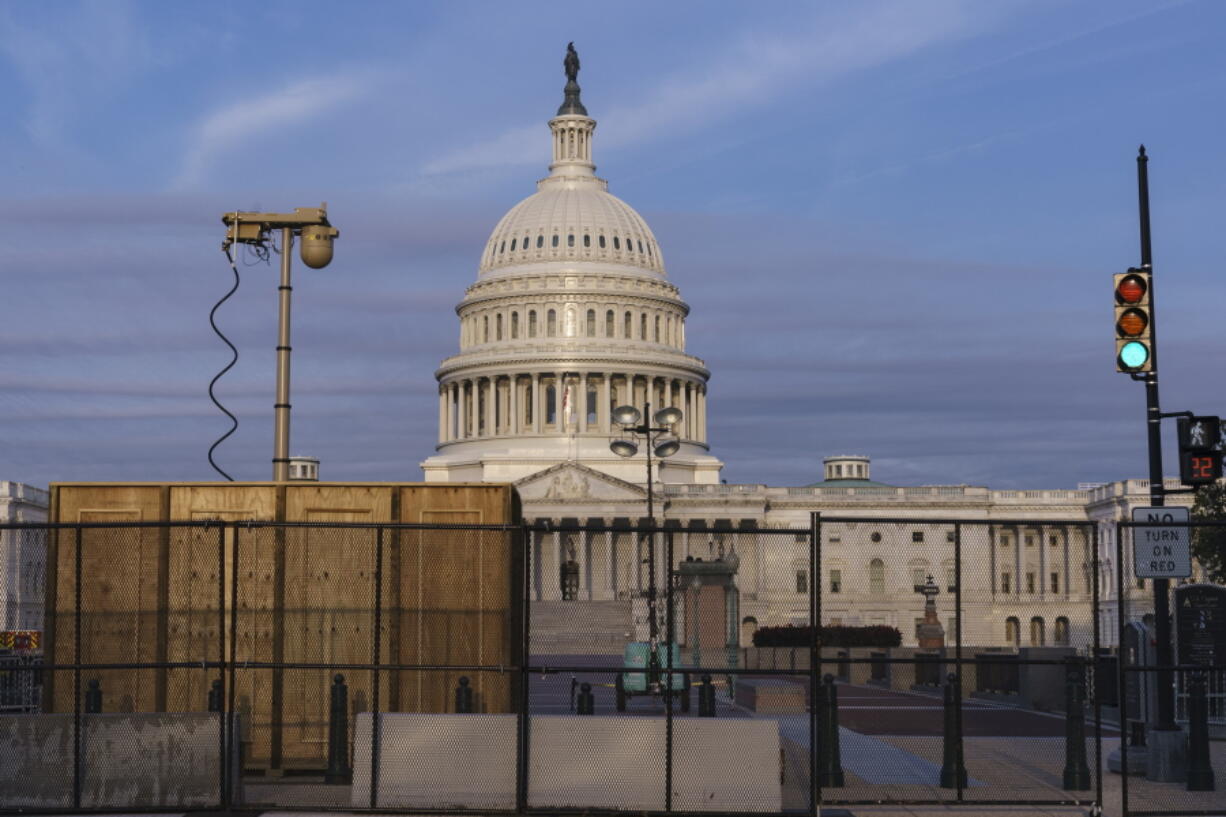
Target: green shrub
point(877, 635)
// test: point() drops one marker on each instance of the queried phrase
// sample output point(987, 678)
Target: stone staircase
point(580, 627)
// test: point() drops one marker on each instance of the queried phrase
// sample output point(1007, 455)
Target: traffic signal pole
point(1166, 755)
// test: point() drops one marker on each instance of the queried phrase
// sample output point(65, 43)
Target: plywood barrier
point(289, 594)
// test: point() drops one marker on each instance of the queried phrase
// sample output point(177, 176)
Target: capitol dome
point(571, 219)
point(571, 315)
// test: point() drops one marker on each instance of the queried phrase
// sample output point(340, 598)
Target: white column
point(610, 567)
point(442, 414)
point(536, 402)
point(583, 402)
point(602, 405)
point(474, 407)
point(514, 426)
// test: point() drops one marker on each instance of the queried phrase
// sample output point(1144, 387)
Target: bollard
point(338, 734)
point(953, 770)
point(706, 698)
point(1200, 772)
point(829, 762)
point(93, 697)
point(1076, 770)
point(464, 696)
point(215, 696)
point(587, 701)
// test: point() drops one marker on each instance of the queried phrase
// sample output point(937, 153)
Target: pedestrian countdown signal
point(1134, 346)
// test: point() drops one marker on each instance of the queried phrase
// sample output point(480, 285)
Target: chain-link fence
point(1171, 676)
point(629, 667)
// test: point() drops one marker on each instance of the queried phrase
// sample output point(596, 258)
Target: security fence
point(541, 667)
point(1177, 767)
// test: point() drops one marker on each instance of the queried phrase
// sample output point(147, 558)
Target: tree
point(1209, 544)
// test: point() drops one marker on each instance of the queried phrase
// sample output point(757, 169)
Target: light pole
point(660, 440)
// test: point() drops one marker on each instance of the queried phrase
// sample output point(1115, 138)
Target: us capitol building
point(573, 314)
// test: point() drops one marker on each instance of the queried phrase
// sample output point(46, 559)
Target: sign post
point(1161, 549)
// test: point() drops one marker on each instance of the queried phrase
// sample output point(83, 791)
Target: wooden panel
point(196, 555)
point(303, 595)
point(455, 595)
point(119, 592)
point(329, 603)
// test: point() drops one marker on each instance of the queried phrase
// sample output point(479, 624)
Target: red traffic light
point(1131, 289)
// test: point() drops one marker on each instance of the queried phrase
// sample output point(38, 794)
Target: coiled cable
point(229, 366)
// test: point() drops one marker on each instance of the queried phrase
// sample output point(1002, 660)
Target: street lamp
point(660, 440)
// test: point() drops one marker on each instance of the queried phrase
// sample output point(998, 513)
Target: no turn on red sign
point(1164, 550)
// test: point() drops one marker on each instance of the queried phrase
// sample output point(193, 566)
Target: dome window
point(587, 240)
point(512, 245)
point(552, 323)
point(502, 248)
point(532, 323)
point(649, 255)
point(602, 241)
point(617, 244)
point(555, 240)
point(523, 245)
point(570, 239)
point(540, 241)
point(640, 248)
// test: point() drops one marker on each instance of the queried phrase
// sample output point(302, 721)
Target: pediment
point(571, 481)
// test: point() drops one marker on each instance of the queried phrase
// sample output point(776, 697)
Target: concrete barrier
point(575, 762)
point(128, 760)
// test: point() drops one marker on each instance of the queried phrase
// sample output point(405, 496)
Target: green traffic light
point(1134, 354)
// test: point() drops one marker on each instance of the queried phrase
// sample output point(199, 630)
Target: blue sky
point(895, 222)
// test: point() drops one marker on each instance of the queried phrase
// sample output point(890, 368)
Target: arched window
point(876, 577)
point(554, 241)
point(502, 248)
point(749, 626)
point(540, 241)
point(591, 323)
point(498, 326)
point(608, 324)
point(627, 323)
point(617, 244)
point(1061, 634)
point(551, 405)
point(485, 329)
point(570, 239)
point(602, 241)
point(657, 335)
point(640, 248)
point(1013, 631)
point(551, 323)
point(643, 326)
point(512, 245)
point(587, 240)
point(514, 325)
point(532, 323)
point(1037, 635)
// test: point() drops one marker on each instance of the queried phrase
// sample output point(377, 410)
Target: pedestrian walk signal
point(1134, 347)
point(1200, 450)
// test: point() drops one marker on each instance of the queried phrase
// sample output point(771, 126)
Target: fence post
point(338, 733)
point(464, 696)
point(953, 771)
point(706, 698)
point(829, 762)
point(1200, 772)
point(587, 701)
point(1076, 770)
point(215, 696)
point(93, 697)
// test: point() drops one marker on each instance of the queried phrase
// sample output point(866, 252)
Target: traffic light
point(1134, 346)
point(1200, 455)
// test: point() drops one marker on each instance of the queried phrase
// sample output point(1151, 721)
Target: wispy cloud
point(752, 72)
point(73, 63)
point(229, 127)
